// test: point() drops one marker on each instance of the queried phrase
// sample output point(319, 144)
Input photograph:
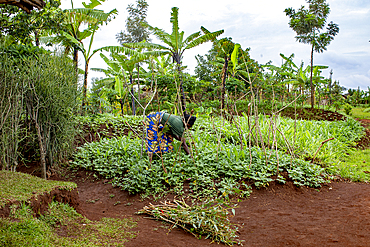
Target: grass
point(16, 186)
point(62, 226)
point(356, 166)
point(359, 112)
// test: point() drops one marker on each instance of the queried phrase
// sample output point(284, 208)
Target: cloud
point(355, 81)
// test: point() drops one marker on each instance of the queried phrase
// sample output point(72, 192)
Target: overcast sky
point(261, 25)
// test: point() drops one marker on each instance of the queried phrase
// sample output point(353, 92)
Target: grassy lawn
point(22, 229)
point(61, 225)
point(16, 186)
point(360, 113)
point(356, 166)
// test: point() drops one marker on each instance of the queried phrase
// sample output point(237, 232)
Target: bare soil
point(312, 114)
point(281, 215)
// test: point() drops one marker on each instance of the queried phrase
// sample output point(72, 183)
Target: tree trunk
point(224, 73)
point(42, 150)
point(183, 106)
point(75, 57)
point(37, 41)
point(132, 97)
point(311, 84)
point(138, 81)
point(84, 90)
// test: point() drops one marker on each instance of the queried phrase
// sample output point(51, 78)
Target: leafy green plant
point(22, 229)
point(348, 109)
point(207, 175)
point(16, 186)
point(355, 167)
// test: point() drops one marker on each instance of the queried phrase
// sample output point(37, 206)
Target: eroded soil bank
point(39, 203)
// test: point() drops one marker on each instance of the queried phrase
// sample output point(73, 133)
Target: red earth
point(338, 214)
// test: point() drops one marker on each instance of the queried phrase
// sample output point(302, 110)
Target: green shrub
point(45, 106)
point(348, 109)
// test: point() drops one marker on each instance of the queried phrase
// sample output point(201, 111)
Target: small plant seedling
point(117, 202)
point(111, 195)
point(92, 200)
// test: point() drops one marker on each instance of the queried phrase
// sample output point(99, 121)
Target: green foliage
point(367, 110)
point(175, 43)
point(309, 135)
point(136, 32)
point(52, 103)
point(21, 229)
point(360, 113)
point(16, 186)
point(20, 53)
point(348, 109)
point(355, 167)
point(117, 124)
point(60, 214)
point(235, 86)
point(12, 93)
point(46, 93)
point(204, 69)
point(25, 28)
point(307, 23)
point(215, 171)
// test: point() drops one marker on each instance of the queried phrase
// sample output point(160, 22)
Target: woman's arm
point(183, 143)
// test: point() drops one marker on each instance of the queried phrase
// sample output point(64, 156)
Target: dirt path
point(281, 215)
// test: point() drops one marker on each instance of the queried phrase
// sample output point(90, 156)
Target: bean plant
point(228, 174)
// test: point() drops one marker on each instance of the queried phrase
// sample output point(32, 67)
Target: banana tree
point(96, 18)
point(227, 60)
point(175, 44)
point(113, 83)
point(162, 65)
point(124, 60)
point(225, 47)
point(286, 74)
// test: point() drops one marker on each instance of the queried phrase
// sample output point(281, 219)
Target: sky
point(261, 25)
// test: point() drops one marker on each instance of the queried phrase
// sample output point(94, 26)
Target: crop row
point(215, 169)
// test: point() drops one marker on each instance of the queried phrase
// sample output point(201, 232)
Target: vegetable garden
point(259, 127)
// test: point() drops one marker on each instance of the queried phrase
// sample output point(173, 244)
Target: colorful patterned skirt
point(156, 140)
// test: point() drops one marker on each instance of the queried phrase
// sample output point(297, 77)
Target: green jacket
point(175, 123)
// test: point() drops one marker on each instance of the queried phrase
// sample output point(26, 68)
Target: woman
point(162, 127)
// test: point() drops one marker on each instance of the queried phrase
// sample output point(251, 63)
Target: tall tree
point(20, 27)
point(175, 44)
point(94, 18)
point(308, 24)
point(136, 32)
